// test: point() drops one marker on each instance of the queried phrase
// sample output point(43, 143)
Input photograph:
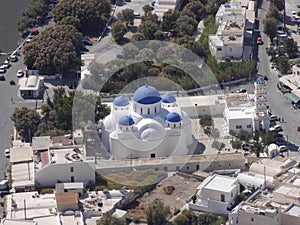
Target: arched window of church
point(141, 110)
point(154, 109)
point(174, 125)
point(148, 110)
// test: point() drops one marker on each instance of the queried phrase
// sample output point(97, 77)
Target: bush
point(217, 145)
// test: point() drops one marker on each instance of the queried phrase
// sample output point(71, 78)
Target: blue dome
point(126, 121)
point(146, 95)
point(173, 117)
point(260, 80)
point(168, 98)
point(120, 101)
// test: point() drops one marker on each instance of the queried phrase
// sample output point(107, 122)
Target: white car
point(276, 128)
point(294, 14)
point(20, 73)
point(2, 70)
point(7, 153)
point(282, 148)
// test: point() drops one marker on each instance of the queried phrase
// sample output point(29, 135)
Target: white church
point(149, 126)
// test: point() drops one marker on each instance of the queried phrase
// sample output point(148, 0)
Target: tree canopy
point(157, 213)
point(118, 30)
point(92, 14)
point(26, 122)
point(55, 50)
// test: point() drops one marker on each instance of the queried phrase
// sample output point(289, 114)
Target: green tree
point(271, 51)
point(257, 148)
point(217, 145)
point(268, 137)
point(148, 28)
point(108, 219)
point(270, 27)
point(197, 8)
point(237, 144)
point(157, 213)
point(279, 4)
point(282, 64)
point(92, 14)
point(26, 122)
point(206, 120)
point(56, 50)
point(244, 135)
point(169, 20)
point(147, 9)
point(118, 30)
point(291, 48)
point(273, 12)
point(126, 16)
point(185, 25)
point(215, 133)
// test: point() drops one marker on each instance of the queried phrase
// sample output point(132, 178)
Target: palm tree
point(257, 148)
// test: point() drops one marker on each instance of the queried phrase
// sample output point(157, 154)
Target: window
point(155, 110)
point(252, 219)
point(71, 169)
point(230, 49)
point(219, 49)
point(148, 111)
point(72, 179)
point(141, 110)
point(195, 104)
point(222, 198)
point(238, 126)
point(174, 125)
point(249, 126)
point(152, 155)
point(187, 168)
point(197, 167)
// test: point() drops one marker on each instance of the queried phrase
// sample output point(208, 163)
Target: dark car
point(87, 42)
point(2, 78)
point(12, 82)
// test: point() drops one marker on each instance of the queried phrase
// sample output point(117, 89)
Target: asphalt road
point(279, 105)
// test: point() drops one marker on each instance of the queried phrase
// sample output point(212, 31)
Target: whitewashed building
point(216, 194)
point(246, 112)
point(148, 127)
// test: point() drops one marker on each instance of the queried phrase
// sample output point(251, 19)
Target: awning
point(294, 98)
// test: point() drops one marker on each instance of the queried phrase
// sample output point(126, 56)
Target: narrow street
point(279, 105)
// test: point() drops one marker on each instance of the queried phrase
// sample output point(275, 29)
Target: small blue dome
point(146, 95)
point(173, 117)
point(126, 121)
point(168, 98)
point(260, 80)
point(121, 101)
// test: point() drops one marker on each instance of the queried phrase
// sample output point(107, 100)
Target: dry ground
point(185, 188)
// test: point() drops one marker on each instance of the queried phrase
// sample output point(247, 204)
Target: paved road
point(279, 105)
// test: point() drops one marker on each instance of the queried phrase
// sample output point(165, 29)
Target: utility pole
point(287, 145)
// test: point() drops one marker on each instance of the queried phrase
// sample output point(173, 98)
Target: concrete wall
point(212, 206)
point(51, 174)
point(287, 219)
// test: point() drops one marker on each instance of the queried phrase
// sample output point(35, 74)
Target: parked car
point(242, 90)
point(13, 58)
point(2, 70)
point(282, 148)
point(87, 42)
point(276, 128)
point(259, 41)
point(6, 64)
point(2, 77)
point(35, 32)
point(273, 118)
point(7, 153)
point(20, 73)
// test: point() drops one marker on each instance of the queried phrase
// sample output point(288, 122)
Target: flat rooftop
point(41, 143)
point(36, 205)
point(21, 154)
point(294, 210)
point(238, 100)
point(22, 174)
point(220, 183)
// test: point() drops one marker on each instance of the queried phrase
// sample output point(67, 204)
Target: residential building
point(148, 127)
point(247, 112)
point(291, 215)
point(289, 192)
point(216, 194)
point(162, 6)
point(250, 214)
point(31, 87)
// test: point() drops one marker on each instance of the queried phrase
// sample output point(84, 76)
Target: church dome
point(152, 134)
point(146, 95)
point(168, 98)
point(121, 101)
point(173, 117)
point(126, 121)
